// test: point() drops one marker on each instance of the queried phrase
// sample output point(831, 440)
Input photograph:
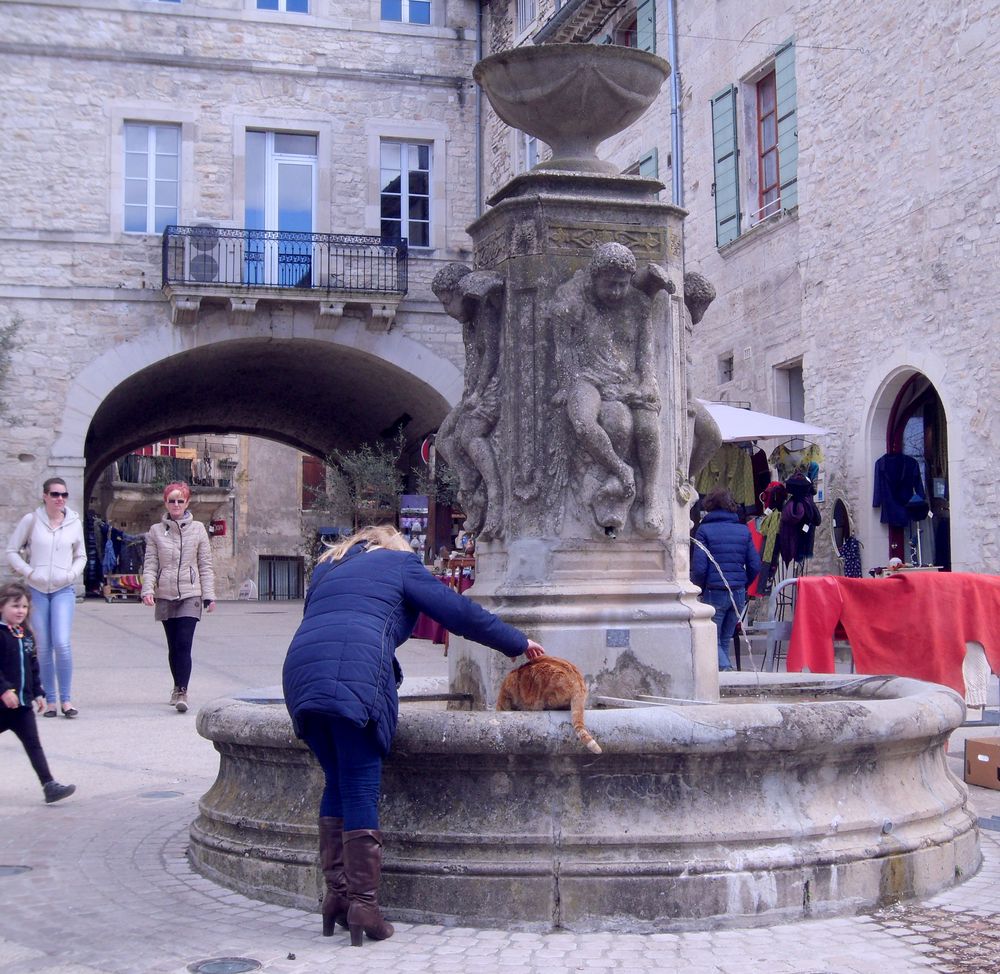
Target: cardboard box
point(982, 762)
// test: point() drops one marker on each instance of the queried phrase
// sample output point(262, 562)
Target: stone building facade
point(840, 175)
point(123, 116)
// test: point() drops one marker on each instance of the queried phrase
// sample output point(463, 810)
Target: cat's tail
point(576, 706)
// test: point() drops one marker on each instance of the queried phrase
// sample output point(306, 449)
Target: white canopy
point(744, 424)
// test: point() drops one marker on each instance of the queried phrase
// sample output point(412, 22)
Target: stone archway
point(314, 391)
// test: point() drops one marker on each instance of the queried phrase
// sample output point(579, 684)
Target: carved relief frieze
point(646, 243)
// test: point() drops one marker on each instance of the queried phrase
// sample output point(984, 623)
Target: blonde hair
point(380, 535)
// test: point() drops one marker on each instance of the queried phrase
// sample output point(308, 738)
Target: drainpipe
point(479, 114)
point(676, 132)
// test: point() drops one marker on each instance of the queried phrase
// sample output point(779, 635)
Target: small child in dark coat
point(21, 686)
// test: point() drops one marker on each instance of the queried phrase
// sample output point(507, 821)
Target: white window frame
point(404, 17)
point(282, 8)
point(525, 14)
point(151, 179)
point(406, 147)
point(436, 135)
point(526, 151)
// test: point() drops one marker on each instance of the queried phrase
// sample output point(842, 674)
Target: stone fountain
point(785, 796)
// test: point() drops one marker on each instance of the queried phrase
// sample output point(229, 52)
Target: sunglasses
point(177, 500)
point(59, 493)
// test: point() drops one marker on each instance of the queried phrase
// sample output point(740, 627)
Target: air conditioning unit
point(211, 257)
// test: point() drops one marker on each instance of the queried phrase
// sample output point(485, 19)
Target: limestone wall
point(881, 269)
point(83, 288)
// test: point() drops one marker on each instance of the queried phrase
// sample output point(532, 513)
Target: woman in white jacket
point(53, 537)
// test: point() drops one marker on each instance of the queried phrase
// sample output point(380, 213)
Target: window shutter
point(725, 156)
point(645, 26)
point(788, 134)
point(649, 167)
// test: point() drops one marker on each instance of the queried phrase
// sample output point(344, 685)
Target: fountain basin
point(572, 96)
point(745, 812)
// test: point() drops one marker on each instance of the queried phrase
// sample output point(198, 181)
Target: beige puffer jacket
point(178, 562)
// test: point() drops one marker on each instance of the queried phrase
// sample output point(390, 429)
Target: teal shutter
point(725, 155)
point(788, 126)
point(645, 26)
point(649, 167)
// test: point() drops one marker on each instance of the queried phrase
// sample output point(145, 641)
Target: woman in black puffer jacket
point(730, 545)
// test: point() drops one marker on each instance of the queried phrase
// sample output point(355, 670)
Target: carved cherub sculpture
point(606, 379)
point(475, 298)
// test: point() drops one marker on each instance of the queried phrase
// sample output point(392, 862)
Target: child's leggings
point(21, 720)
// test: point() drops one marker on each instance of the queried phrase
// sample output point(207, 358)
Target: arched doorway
point(917, 428)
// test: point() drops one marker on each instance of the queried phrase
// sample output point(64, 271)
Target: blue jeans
point(725, 618)
point(352, 764)
point(51, 621)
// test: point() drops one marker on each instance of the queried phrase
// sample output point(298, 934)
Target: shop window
point(407, 11)
point(280, 578)
point(768, 141)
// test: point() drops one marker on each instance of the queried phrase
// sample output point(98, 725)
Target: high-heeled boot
point(331, 862)
point(363, 864)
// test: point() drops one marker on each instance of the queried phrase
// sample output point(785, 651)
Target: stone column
point(594, 570)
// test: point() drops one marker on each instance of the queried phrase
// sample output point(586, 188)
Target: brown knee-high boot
point(331, 861)
point(363, 863)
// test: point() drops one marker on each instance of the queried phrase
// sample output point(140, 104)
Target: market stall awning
point(738, 424)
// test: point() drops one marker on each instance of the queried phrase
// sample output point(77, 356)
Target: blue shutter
point(725, 156)
point(649, 167)
point(788, 133)
point(645, 26)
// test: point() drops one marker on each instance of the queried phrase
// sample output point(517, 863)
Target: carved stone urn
point(572, 96)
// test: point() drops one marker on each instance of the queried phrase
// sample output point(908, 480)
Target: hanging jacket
point(19, 665)
point(357, 611)
point(56, 556)
point(897, 479)
point(178, 562)
point(731, 544)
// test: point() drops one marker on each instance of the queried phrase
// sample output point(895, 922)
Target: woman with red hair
point(177, 577)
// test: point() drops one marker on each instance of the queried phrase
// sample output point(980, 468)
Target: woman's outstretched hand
point(534, 650)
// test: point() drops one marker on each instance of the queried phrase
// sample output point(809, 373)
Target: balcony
point(209, 264)
point(130, 492)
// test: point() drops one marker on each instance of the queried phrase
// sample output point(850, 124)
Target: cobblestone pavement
point(108, 889)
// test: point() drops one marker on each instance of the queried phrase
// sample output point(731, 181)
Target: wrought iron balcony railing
point(206, 256)
point(134, 468)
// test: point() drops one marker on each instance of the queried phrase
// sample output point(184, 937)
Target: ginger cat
point(548, 683)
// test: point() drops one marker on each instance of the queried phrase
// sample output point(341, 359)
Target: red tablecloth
point(910, 624)
point(427, 628)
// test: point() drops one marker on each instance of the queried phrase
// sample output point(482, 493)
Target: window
point(152, 176)
point(526, 13)
point(647, 166)
point(288, 6)
point(789, 392)
point(527, 151)
point(280, 195)
point(769, 144)
point(405, 195)
point(313, 481)
point(636, 27)
point(165, 448)
point(407, 11)
point(726, 368)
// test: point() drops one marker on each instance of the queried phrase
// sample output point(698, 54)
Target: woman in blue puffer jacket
point(729, 542)
point(340, 679)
